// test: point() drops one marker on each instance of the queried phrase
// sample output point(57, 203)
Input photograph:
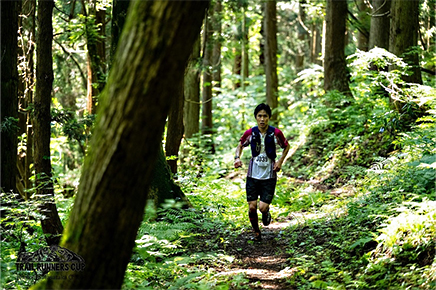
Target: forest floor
point(264, 263)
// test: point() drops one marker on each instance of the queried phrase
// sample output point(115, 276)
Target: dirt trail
point(264, 263)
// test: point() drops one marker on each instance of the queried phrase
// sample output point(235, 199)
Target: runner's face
point(262, 119)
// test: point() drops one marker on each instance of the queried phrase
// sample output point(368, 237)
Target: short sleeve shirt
point(261, 166)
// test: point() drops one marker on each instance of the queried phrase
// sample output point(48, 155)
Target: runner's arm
point(279, 163)
point(238, 153)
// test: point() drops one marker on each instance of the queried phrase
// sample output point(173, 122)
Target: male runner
point(263, 167)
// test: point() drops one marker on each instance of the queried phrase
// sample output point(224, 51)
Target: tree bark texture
point(9, 94)
point(95, 54)
point(110, 203)
point(191, 114)
point(302, 35)
point(316, 43)
point(404, 35)
point(27, 26)
point(175, 130)
point(380, 24)
point(335, 67)
point(270, 25)
point(119, 14)
point(51, 224)
point(216, 55)
point(363, 25)
point(207, 101)
point(163, 187)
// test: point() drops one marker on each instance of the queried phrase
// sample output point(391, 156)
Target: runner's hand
point(238, 163)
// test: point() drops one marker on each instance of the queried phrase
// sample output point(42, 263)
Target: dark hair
point(261, 107)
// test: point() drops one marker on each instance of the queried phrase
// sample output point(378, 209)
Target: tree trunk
point(95, 54)
point(302, 33)
point(110, 204)
point(51, 224)
point(119, 14)
point(404, 35)
point(216, 55)
point(206, 113)
point(335, 67)
point(174, 130)
point(270, 22)
point(162, 187)
point(380, 23)
point(363, 25)
point(9, 94)
point(316, 43)
point(27, 78)
point(191, 113)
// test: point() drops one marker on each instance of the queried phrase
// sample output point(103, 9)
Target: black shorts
point(263, 188)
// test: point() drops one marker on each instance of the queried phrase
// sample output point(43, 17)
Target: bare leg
point(252, 214)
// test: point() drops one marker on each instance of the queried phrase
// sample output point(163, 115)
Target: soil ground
point(264, 263)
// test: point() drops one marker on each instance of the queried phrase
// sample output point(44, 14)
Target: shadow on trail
point(264, 263)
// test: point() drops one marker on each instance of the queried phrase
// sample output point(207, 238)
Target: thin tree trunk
point(109, 206)
point(95, 58)
point(175, 130)
point(380, 23)
point(216, 55)
point(27, 79)
point(316, 43)
point(364, 25)
point(335, 67)
point(51, 224)
point(9, 94)
point(270, 22)
point(206, 113)
point(191, 114)
point(302, 33)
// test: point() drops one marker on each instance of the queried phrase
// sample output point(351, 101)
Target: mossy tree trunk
point(110, 203)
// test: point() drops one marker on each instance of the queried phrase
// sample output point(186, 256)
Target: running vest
point(270, 146)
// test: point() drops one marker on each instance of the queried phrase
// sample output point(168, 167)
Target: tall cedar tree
point(335, 67)
point(51, 224)
point(404, 35)
point(94, 19)
point(162, 186)
point(110, 203)
point(270, 26)
point(216, 58)
point(9, 94)
point(191, 114)
point(175, 129)
point(380, 23)
point(27, 26)
point(206, 112)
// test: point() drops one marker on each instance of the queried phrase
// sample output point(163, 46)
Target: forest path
point(264, 263)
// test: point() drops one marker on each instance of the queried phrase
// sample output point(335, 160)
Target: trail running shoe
point(257, 237)
point(266, 218)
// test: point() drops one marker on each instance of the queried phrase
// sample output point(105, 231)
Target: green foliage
point(9, 124)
